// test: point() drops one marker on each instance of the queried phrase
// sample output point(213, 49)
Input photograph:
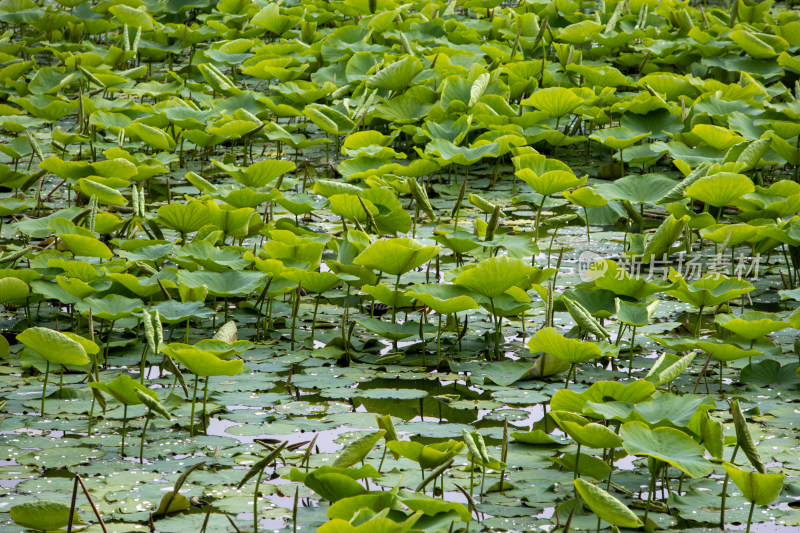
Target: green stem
point(314, 319)
point(439, 343)
point(194, 399)
point(255, 503)
point(569, 373)
point(205, 400)
point(538, 217)
point(575, 472)
point(143, 363)
point(656, 468)
point(44, 387)
point(144, 432)
point(586, 214)
point(750, 516)
point(124, 428)
point(630, 353)
point(496, 331)
point(697, 323)
point(725, 491)
point(394, 305)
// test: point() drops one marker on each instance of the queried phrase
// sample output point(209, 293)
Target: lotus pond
point(363, 266)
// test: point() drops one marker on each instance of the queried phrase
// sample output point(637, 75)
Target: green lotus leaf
point(550, 182)
point(669, 366)
point(606, 506)
point(643, 189)
point(770, 372)
point(328, 120)
point(13, 290)
point(387, 296)
point(734, 234)
point(428, 456)
point(720, 189)
point(54, 346)
point(752, 324)
point(129, 16)
point(585, 197)
point(396, 256)
point(349, 207)
point(579, 32)
point(377, 524)
point(617, 138)
point(230, 283)
point(152, 404)
point(758, 488)
point(667, 410)
point(111, 307)
point(752, 45)
point(573, 351)
point(43, 515)
point(81, 245)
point(184, 218)
point(670, 445)
point(726, 351)
point(635, 314)
point(205, 363)
point(555, 101)
point(153, 137)
point(286, 246)
point(356, 451)
point(445, 152)
point(395, 332)
point(123, 388)
point(710, 290)
point(591, 435)
point(444, 299)
point(608, 275)
point(397, 76)
point(317, 282)
point(602, 391)
point(716, 136)
point(494, 276)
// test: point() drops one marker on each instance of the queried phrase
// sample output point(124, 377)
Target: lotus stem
point(575, 474)
point(588, 233)
point(439, 343)
point(314, 319)
point(124, 428)
point(750, 516)
point(496, 331)
point(44, 386)
point(143, 364)
point(205, 400)
point(538, 217)
point(725, 491)
point(394, 306)
point(569, 373)
point(255, 502)
point(144, 432)
point(630, 352)
point(194, 399)
point(653, 477)
point(697, 323)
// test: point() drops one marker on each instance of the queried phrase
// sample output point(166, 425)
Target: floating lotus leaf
point(44, 515)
